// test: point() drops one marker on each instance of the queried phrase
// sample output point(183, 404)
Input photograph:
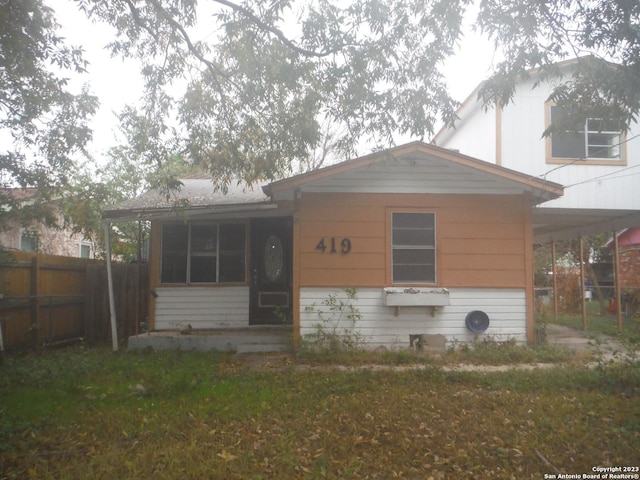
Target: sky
point(116, 82)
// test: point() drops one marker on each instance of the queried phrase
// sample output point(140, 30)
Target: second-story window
point(592, 139)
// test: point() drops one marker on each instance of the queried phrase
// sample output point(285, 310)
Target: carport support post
point(616, 266)
point(554, 272)
point(583, 290)
point(112, 302)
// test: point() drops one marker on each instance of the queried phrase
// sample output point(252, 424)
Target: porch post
point(112, 303)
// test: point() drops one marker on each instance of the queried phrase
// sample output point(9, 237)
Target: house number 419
point(345, 245)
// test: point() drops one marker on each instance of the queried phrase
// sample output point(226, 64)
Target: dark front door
point(271, 240)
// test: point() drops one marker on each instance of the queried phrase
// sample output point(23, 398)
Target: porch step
point(247, 341)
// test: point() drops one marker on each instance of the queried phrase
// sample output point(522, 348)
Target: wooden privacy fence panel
point(45, 299)
point(130, 286)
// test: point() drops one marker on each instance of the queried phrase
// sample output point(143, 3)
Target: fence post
point(35, 308)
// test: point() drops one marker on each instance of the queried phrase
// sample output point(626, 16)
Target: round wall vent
point(477, 321)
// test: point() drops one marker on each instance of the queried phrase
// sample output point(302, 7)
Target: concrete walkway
point(583, 341)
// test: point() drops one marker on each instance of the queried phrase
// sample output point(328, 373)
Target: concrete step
point(232, 341)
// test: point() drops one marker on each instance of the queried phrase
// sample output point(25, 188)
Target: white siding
point(587, 186)
point(605, 186)
point(201, 307)
point(379, 324)
point(474, 133)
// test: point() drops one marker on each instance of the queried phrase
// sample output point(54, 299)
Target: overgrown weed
point(336, 330)
point(491, 352)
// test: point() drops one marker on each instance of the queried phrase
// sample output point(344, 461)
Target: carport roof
point(566, 223)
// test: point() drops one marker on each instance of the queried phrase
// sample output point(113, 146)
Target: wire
point(626, 140)
point(607, 175)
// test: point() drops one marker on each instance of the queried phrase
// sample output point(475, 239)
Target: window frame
point(88, 245)
point(550, 159)
point(433, 248)
point(189, 254)
point(29, 236)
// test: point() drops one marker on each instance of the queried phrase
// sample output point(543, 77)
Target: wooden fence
point(46, 299)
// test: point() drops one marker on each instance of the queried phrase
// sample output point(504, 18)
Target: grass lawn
point(93, 414)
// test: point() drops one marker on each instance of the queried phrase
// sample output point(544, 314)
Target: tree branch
point(215, 71)
point(277, 32)
point(139, 21)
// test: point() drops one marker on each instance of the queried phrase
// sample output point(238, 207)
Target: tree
point(262, 80)
point(248, 96)
point(124, 176)
point(538, 34)
point(42, 123)
point(249, 88)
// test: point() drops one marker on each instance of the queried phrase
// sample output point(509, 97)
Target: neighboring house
point(629, 247)
point(42, 238)
point(433, 241)
point(598, 165)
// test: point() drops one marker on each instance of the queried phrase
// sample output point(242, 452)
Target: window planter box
point(415, 297)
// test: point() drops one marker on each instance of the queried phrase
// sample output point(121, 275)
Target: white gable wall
point(522, 148)
point(474, 134)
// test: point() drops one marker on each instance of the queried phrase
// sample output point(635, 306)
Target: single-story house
point(414, 240)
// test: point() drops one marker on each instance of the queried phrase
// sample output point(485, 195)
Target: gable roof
point(412, 168)
point(416, 167)
point(195, 194)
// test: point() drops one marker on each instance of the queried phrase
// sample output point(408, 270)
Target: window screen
point(203, 253)
point(413, 248)
point(593, 139)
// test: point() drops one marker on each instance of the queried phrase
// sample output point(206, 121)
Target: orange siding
point(480, 239)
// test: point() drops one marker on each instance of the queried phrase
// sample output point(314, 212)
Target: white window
point(594, 139)
point(413, 245)
point(28, 241)
point(203, 253)
point(86, 250)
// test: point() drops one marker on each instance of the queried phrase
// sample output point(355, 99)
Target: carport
point(551, 225)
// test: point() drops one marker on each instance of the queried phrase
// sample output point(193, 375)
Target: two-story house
point(598, 164)
point(39, 236)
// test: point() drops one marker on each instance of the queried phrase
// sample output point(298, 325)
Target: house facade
point(596, 163)
point(629, 261)
point(41, 237)
point(416, 240)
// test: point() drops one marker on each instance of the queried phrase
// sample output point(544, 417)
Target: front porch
point(251, 339)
